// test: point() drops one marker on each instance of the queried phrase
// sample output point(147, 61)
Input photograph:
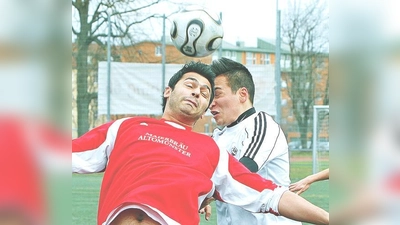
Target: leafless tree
point(90, 20)
point(304, 30)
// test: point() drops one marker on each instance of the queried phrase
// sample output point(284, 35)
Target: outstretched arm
point(235, 182)
point(303, 184)
point(291, 206)
point(297, 208)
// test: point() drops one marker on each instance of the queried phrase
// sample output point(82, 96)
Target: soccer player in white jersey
point(252, 137)
point(158, 171)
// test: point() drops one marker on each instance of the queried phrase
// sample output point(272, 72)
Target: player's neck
point(187, 123)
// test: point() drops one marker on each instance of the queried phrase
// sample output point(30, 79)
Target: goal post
point(320, 133)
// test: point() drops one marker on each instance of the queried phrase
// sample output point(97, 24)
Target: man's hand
point(300, 186)
point(205, 208)
point(303, 184)
point(207, 211)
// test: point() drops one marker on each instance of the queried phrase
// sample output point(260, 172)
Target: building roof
point(264, 45)
point(270, 45)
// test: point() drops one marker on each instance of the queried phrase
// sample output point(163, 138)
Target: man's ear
point(243, 94)
point(167, 92)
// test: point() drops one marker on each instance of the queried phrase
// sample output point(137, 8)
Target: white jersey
point(260, 144)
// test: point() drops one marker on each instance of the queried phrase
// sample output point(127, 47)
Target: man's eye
point(189, 85)
point(205, 94)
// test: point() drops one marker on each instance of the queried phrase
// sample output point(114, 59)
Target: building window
point(89, 59)
point(233, 56)
point(285, 61)
point(250, 58)
point(158, 51)
point(230, 55)
point(265, 59)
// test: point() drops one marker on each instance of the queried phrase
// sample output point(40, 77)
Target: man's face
point(225, 105)
point(190, 96)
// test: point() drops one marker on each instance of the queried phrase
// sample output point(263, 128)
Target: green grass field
point(85, 190)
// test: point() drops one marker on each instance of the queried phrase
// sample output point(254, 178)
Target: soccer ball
point(196, 32)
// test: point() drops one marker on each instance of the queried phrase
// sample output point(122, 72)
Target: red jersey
point(167, 167)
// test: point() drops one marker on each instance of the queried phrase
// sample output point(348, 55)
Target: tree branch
point(136, 9)
point(100, 43)
point(125, 31)
point(96, 13)
point(92, 95)
point(74, 31)
point(74, 4)
point(97, 27)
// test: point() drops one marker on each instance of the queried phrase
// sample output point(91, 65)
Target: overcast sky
point(246, 20)
point(242, 21)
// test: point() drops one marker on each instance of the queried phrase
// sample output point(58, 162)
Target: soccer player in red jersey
point(158, 171)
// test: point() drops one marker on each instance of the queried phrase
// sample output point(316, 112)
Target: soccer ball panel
point(196, 33)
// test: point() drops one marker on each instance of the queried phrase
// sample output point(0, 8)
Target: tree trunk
point(83, 98)
point(303, 137)
point(302, 115)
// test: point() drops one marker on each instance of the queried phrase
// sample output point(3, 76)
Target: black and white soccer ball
point(196, 32)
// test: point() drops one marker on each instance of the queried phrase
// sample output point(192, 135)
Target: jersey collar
point(243, 116)
point(176, 125)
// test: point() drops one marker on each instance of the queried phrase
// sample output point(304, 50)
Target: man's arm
point(90, 152)
point(294, 207)
point(234, 183)
point(303, 184)
point(266, 141)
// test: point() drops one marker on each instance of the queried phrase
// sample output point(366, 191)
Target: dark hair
point(196, 67)
point(237, 75)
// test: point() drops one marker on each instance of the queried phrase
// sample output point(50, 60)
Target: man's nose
point(196, 92)
point(212, 104)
